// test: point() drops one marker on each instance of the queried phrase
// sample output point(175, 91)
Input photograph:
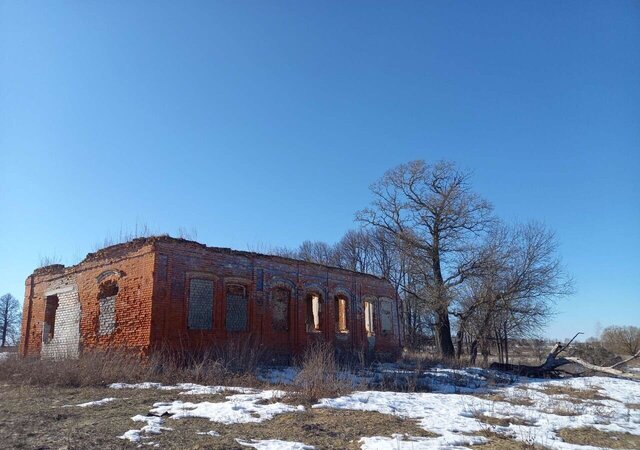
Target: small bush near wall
point(319, 375)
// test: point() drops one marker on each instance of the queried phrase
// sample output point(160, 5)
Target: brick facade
point(162, 292)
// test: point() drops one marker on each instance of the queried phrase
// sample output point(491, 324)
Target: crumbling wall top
point(49, 270)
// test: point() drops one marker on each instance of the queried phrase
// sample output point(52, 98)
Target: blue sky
point(264, 123)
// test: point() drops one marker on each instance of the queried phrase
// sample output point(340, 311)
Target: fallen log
point(553, 364)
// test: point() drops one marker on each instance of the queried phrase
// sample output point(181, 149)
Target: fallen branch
point(553, 363)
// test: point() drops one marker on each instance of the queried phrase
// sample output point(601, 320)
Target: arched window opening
point(107, 302)
point(280, 298)
point(314, 313)
point(236, 309)
point(369, 318)
point(341, 314)
point(50, 309)
point(386, 316)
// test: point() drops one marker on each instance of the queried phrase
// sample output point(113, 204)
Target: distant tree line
point(466, 280)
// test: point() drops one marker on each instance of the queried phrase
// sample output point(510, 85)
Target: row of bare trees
point(455, 265)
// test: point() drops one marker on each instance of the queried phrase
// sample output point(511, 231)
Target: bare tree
point(317, 252)
point(513, 288)
point(436, 218)
point(10, 318)
point(623, 340)
point(355, 251)
point(310, 251)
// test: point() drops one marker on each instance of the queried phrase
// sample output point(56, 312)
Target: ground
point(470, 408)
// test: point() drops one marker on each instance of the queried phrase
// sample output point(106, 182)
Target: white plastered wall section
point(66, 332)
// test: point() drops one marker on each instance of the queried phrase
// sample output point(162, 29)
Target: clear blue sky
point(265, 122)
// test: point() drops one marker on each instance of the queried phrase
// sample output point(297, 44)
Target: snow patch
point(402, 442)
point(94, 403)
point(145, 385)
point(239, 408)
point(275, 444)
point(187, 388)
point(209, 433)
point(455, 417)
point(153, 426)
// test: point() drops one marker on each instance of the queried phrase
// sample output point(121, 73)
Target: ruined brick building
point(164, 292)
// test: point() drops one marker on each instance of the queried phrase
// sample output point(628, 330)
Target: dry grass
point(521, 400)
point(322, 428)
point(596, 438)
point(580, 395)
point(426, 360)
point(500, 442)
point(318, 377)
point(235, 363)
point(502, 422)
point(632, 405)
point(561, 410)
point(35, 417)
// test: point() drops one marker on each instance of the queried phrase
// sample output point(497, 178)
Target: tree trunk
point(443, 326)
point(459, 341)
point(506, 344)
point(473, 352)
point(486, 351)
point(443, 335)
point(5, 323)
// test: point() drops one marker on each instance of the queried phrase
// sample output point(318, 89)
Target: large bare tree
point(436, 218)
point(10, 317)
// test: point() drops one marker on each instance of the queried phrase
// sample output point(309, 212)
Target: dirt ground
point(38, 418)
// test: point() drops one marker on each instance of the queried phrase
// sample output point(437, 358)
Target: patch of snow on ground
point(275, 444)
point(153, 426)
point(188, 388)
point(443, 414)
point(145, 385)
point(209, 433)
point(448, 412)
point(95, 403)
point(400, 442)
point(454, 416)
point(239, 408)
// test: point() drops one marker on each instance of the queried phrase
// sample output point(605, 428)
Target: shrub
point(593, 352)
point(319, 375)
point(621, 340)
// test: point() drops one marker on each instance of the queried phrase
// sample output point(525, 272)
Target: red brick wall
point(131, 267)
point(177, 262)
point(151, 305)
